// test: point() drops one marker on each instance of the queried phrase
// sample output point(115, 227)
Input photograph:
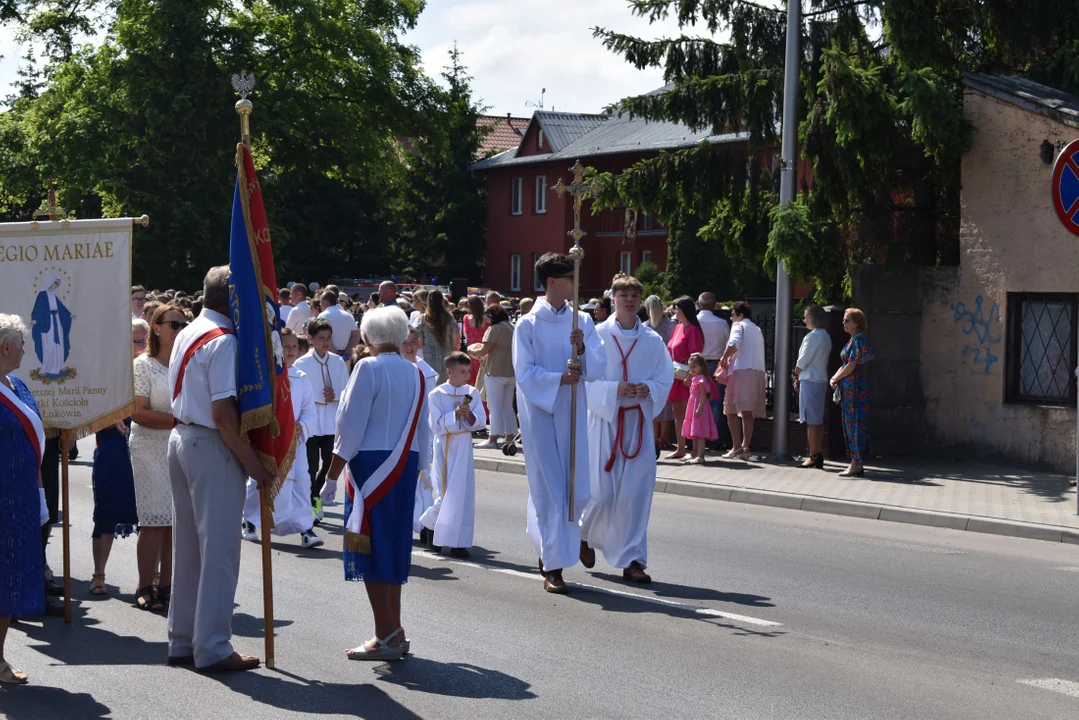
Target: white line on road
point(706, 612)
point(1064, 687)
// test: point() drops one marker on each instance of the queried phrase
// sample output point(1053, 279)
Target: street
point(755, 612)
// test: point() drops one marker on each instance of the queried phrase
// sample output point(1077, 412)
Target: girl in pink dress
point(699, 425)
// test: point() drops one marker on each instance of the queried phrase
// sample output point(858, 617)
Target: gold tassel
point(255, 419)
point(357, 543)
point(106, 421)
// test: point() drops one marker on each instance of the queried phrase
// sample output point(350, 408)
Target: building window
point(515, 196)
point(625, 262)
point(539, 140)
point(515, 272)
point(1041, 347)
point(541, 194)
point(537, 286)
point(646, 256)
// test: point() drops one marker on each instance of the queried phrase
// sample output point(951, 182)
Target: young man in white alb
point(292, 507)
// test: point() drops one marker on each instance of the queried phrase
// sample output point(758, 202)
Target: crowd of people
point(391, 394)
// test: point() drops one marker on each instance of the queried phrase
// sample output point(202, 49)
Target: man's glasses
point(137, 299)
point(139, 342)
point(174, 324)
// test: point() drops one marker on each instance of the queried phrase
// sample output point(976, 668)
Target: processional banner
point(70, 283)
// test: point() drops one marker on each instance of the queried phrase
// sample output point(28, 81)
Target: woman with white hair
point(22, 500)
point(384, 439)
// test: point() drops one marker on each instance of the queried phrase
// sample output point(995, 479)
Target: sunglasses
point(139, 342)
point(174, 324)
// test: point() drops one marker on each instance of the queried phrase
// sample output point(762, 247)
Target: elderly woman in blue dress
point(811, 383)
point(384, 439)
point(22, 501)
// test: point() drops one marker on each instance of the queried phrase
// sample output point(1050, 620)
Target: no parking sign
point(1066, 186)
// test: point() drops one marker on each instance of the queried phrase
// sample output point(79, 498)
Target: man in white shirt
point(284, 304)
point(209, 461)
point(346, 333)
point(138, 300)
point(301, 311)
point(328, 376)
point(716, 333)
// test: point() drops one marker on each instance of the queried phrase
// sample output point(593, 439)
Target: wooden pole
point(267, 577)
point(65, 437)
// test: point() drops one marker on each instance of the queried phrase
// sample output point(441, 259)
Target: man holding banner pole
point(209, 463)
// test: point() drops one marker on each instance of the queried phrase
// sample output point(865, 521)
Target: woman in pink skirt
point(743, 365)
point(699, 425)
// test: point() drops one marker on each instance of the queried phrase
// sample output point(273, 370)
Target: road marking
point(860, 540)
point(1068, 568)
point(694, 609)
point(1064, 687)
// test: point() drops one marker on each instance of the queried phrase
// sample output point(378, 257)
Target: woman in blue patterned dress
point(854, 390)
point(22, 440)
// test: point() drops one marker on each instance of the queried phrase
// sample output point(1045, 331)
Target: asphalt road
point(754, 613)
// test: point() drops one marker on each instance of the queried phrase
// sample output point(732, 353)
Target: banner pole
point(243, 85)
point(65, 437)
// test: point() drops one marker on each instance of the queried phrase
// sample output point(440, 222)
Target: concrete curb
point(832, 506)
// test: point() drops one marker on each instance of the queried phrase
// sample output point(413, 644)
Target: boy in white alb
point(424, 496)
point(292, 508)
point(328, 376)
point(455, 412)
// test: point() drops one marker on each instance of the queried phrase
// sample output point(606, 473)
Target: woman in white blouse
point(742, 366)
point(811, 383)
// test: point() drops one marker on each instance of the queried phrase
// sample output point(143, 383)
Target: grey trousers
point(208, 490)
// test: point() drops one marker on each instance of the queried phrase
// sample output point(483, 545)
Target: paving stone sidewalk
point(972, 496)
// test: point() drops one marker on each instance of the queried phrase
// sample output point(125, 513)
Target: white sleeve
point(353, 413)
point(221, 368)
point(594, 360)
point(308, 417)
point(537, 384)
point(659, 385)
point(735, 340)
point(808, 350)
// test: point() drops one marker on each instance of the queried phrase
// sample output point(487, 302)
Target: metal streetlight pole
point(781, 391)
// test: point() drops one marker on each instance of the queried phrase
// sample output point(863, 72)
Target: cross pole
point(579, 190)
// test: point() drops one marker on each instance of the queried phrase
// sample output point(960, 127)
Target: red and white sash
point(380, 482)
point(189, 353)
point(31, 422)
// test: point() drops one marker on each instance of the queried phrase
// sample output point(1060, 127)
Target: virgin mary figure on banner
point(52, 332)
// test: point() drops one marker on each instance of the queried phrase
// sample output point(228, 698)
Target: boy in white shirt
point(292, 508)
point(328, 376)
point(424, 496)
point(455, 412)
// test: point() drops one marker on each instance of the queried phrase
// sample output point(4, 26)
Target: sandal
point(382, 650)
point(97, 585)
point(145, 599)
point(11, 676)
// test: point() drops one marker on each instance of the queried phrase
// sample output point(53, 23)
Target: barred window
point(1041, 351)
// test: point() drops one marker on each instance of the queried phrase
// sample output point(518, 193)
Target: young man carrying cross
point(543, 343)
point(622, 404)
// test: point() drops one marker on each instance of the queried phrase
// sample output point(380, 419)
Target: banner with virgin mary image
point(70, 283)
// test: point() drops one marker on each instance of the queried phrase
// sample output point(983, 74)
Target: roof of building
point(506, 133)
point(1027, 94)
point(614, 136)
point(561, 129)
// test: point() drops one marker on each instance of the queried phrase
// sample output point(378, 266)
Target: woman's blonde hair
point(858, 317)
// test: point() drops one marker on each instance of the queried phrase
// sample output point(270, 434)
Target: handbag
point(837, 396)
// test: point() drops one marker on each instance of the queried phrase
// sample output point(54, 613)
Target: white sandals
point(382, 650)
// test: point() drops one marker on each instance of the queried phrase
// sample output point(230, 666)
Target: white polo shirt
point(342, 323)
point(298, 317)
point(716, 333)
point(210, 374)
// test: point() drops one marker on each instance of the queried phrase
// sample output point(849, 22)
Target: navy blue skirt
point(391, 523)
point(115, 512)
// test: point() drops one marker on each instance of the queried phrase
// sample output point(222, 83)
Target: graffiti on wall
point(982, 330)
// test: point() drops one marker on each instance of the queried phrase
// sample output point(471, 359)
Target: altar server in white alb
point(328, 376)
point(292, 507)
point(543, 343)
point(455, 413)
point(424, 489)
point(621, 408)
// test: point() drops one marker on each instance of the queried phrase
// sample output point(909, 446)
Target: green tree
point(882, 130)
point(144, 123)
point(446, 234)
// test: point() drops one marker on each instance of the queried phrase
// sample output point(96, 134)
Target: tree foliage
point(142, 121)
point(881, 130)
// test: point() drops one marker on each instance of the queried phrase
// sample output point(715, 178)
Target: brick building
point(525, 219)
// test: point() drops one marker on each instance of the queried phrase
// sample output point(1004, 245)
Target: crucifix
point(579, 190)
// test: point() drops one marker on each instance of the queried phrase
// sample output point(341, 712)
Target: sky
point(512, 49)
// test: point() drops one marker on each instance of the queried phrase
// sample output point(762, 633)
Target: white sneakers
point(310, 540)
point(249, 532)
